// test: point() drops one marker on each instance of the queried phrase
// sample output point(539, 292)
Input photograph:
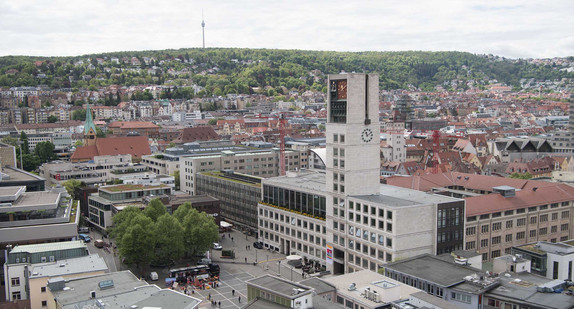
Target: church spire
point(89, 128)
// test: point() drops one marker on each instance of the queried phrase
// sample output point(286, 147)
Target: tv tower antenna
point(203, 28)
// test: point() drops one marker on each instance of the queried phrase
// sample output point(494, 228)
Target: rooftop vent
point(352, 287)
point(506, 191)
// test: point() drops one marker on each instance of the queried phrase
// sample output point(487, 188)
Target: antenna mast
point(203, 28)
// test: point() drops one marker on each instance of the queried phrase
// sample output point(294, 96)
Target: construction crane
point(282, 122)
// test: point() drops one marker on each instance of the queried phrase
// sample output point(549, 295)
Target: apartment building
point(507, 218)
point(112, 199)
point(262, 163)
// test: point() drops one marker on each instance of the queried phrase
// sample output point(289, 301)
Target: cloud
point(506, 27)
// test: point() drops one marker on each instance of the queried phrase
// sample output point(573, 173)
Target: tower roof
point(89, 124)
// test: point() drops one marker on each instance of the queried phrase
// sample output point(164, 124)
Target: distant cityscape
point(450, 193)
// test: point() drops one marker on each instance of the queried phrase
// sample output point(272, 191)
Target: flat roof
point(77, 290)
point(10, 191)
point(314, 181)
point(37, 198)
point(388, 289)
point(20, 175)
point(433, 269)
point(52, 246)
point(83, 264)
point(279, 286)
point(522, 287)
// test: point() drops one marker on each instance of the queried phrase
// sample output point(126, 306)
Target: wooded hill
point(232, 70)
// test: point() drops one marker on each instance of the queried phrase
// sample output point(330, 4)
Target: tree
point(122, 221)
point(79, 114)
point(200, 232)
point(30, 162)
point(155, 209)
point(135, 244)
point(24, 139)
point(52, 119)
point(45, 151)
point(72, 185)
point(177, 179)
point(100, 133)
point(169, 243)
point(78, 143)
point(526, 175)
point(212, 121)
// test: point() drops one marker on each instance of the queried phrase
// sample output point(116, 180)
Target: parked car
point(99, 243)
point(258, 245)
point(85, 237)
point(153, 276)
point(217, 246)
point(83, 229)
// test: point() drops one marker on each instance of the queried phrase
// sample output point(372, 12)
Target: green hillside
point(229, 70)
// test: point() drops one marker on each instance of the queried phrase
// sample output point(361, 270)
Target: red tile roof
point(137, 146)
point(189, 135)
point(490, 203)
point(132, 124)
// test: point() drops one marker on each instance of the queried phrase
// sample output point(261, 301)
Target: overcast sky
point(509, 28)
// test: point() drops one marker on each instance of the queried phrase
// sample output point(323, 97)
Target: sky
point(507, 28)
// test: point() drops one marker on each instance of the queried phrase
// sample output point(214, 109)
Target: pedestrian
point(239, 298)
point(232, 292)
point(245, 247)
point(228, 235)
point(219, 304)
point(245, 260)
point(232, 239)
point(209, 296)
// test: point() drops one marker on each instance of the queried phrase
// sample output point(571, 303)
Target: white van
point(153, 276)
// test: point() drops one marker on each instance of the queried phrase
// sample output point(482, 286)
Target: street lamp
point(21, 159)
point(291, 273)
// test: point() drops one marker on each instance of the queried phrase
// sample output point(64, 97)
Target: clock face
point(342, 89)
point(367, 135)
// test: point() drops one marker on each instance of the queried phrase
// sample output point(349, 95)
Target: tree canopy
point(186, 232)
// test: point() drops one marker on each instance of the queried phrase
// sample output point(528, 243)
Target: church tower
point(89, 129)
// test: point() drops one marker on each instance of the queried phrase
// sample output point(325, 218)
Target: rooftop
point(53, 246)
point(356, 284)
point(279, 286)
point(433, 269)
point(130, 187)
point(77, 290)
point(84, 264)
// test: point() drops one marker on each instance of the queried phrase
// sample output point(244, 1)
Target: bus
point(196, 272)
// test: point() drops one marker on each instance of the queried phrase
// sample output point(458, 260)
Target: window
point(495, 253)
point(15, 281)
point(335, 138)
point(521, 222)
point(496, 226)
point(470, 230)
point(555, 216)
point(483, 243)
point(543, 218)
point(342, 138)
point(520, 235)
point(44, 303)
point(508, 237)
point(533, 233)
point(43, 289)
point(484, 228)
point(496, 240)
point(565, 214)
point(509, 224)
point(543, 231)
point(461, 297)
point(470, 245)
point(564, 227)
point(554, 229)
point(16, 295)
point(532, 220)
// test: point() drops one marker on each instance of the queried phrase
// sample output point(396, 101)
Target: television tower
point(203, 28)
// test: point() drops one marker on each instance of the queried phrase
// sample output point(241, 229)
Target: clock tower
point(353, 154)
point(353, 135)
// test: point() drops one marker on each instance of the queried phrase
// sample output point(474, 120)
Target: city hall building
point(343, 218)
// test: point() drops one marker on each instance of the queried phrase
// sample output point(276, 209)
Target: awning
point(225, 224)
point(293, 257)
